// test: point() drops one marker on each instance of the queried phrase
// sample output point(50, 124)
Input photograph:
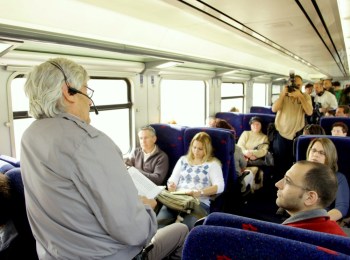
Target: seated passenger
point(339, 129)
point(199, 174)
point(149, 159)
point(313, 129)
point(246, 176)
point(342, 111)
point(306, 189)
point(15, 230)
point(254, 145)
point(322, 150)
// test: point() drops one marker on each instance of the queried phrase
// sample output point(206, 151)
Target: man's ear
point(67, 96)
point(311, 198)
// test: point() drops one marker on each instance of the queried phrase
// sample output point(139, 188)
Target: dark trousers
point(283, 155)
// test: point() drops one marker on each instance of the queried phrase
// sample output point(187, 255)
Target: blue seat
point(217, 242)
point(261, 109)
point(11, 160)
point(342, 145)
point(5, 166)
point(224, 146)
point(333, 242)
point(170, 140)
point(24, 242)
point(235, 119)
point(265, 118)
point(327, 122)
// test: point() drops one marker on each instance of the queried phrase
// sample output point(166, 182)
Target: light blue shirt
point(81, 201)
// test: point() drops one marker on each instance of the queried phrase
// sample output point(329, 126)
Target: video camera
point(292, 86)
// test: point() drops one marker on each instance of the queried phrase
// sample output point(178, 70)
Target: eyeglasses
point(313, 150)
point(288, 181)
point(89, 92)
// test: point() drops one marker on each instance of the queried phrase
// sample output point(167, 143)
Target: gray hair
point(44, 86)
point(149, 128)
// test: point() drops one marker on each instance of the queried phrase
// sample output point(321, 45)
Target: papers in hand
point(144, 186)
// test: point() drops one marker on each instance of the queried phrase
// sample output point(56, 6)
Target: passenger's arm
point(341, 206)
point(160, 170)
point(334, 102)
point(305, 101)
point(175, 176)
point(278, 104)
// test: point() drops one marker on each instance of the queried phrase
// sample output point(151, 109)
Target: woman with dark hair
point(313, 129)
point(323, 150)
point(254, 145)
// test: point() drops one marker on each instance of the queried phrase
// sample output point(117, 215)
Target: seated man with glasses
point(305, 191)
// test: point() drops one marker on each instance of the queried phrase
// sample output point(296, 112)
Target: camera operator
point(327, 100)
point(291, 107)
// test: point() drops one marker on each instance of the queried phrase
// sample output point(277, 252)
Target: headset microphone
point(73, 91)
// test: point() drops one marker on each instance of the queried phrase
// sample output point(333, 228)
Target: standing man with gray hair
point(81, 201)
point(149, 159)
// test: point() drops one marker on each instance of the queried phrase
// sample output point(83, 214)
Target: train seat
point(24, 242)
point(5, 166)
point(170, 140)
point(224, 146)
point(266, 120)
point(327, 122)
point(261, 109)
point(217, 242)
point(342, 145)
point(11, 160)
point(235, 119)
point(332, 242)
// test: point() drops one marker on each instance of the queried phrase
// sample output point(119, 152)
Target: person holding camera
point(291, 108)
point(326, 99)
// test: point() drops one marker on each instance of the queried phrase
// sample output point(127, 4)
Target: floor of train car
point(259, 205)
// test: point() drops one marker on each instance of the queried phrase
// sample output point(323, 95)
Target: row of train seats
point(226, 236)
point(175, 140)
point(327, 122)
point(241, 121)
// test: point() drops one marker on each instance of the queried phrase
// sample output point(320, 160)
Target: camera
point(292, 86)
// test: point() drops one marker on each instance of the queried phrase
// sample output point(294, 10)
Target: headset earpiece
point(72, 91)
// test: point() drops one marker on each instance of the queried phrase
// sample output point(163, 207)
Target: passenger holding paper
point(198, 174)
point(149, 159)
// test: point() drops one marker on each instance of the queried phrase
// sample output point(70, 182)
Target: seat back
point(261, 110)
point(10, 160)
point(265, 118)
point(217, 242)
point(235, 119)
point(327, 122)
point(333, 242)
point(224, 146)
point(170, 140)
point(5, 166)
point(342, 145)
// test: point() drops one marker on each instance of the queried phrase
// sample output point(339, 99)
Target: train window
point(179, 97)
point(259, 97)
point(232, 95)
point(111, 97)
point(276, 90)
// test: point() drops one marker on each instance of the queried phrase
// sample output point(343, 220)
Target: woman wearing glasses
point(323, 150)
